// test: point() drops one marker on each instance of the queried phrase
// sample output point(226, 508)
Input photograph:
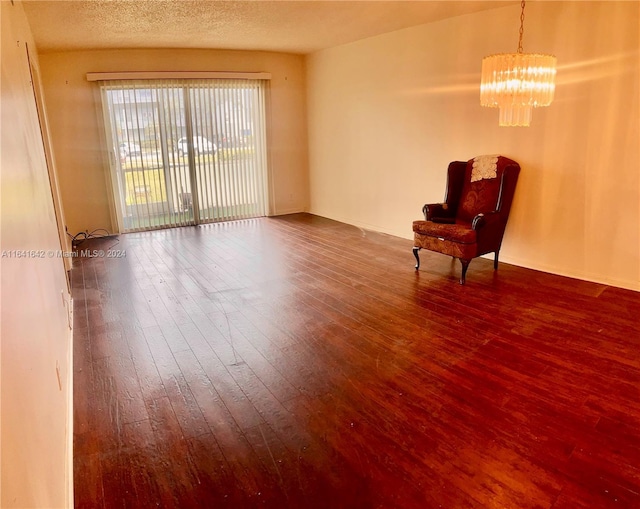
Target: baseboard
point(284, 212)
point(69, 428)
point(583, 276)
point(504, 257)
point(404, 234)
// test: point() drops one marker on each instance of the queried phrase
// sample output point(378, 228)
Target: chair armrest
point(437, 212)
point(485, 220)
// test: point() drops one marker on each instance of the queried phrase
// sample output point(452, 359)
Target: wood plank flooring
point(297, 362)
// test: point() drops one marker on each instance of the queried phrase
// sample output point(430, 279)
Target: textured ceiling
point(286, 26)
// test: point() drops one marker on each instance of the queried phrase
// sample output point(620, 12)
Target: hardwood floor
point(297, 362)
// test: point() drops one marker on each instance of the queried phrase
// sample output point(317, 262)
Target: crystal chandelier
point(517, 82)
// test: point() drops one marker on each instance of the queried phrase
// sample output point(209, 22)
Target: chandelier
point(517, 82)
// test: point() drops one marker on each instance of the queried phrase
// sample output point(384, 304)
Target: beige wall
point(387, 114)
point(75, 124)
point(35, 337)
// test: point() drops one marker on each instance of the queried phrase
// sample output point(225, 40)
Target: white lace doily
point(484, 167)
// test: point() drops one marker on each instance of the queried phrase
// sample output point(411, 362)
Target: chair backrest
point(482, 185)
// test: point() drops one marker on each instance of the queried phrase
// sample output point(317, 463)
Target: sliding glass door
point(186, 151)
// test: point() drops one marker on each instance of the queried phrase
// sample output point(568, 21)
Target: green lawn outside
point(161, 220)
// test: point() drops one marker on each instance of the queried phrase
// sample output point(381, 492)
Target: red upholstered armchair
point(472, 219)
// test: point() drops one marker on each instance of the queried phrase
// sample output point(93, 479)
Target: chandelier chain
point(521, 27)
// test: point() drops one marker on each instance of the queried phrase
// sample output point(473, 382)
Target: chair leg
point(415, 253)
point(465, 266)
point(495, 261)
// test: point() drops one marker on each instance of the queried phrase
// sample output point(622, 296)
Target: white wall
point(35, 337)
point(75, 126)
point(387, 114)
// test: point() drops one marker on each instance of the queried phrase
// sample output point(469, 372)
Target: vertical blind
point(186, 151)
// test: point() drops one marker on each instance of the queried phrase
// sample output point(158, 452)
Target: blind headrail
point(163, 75)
